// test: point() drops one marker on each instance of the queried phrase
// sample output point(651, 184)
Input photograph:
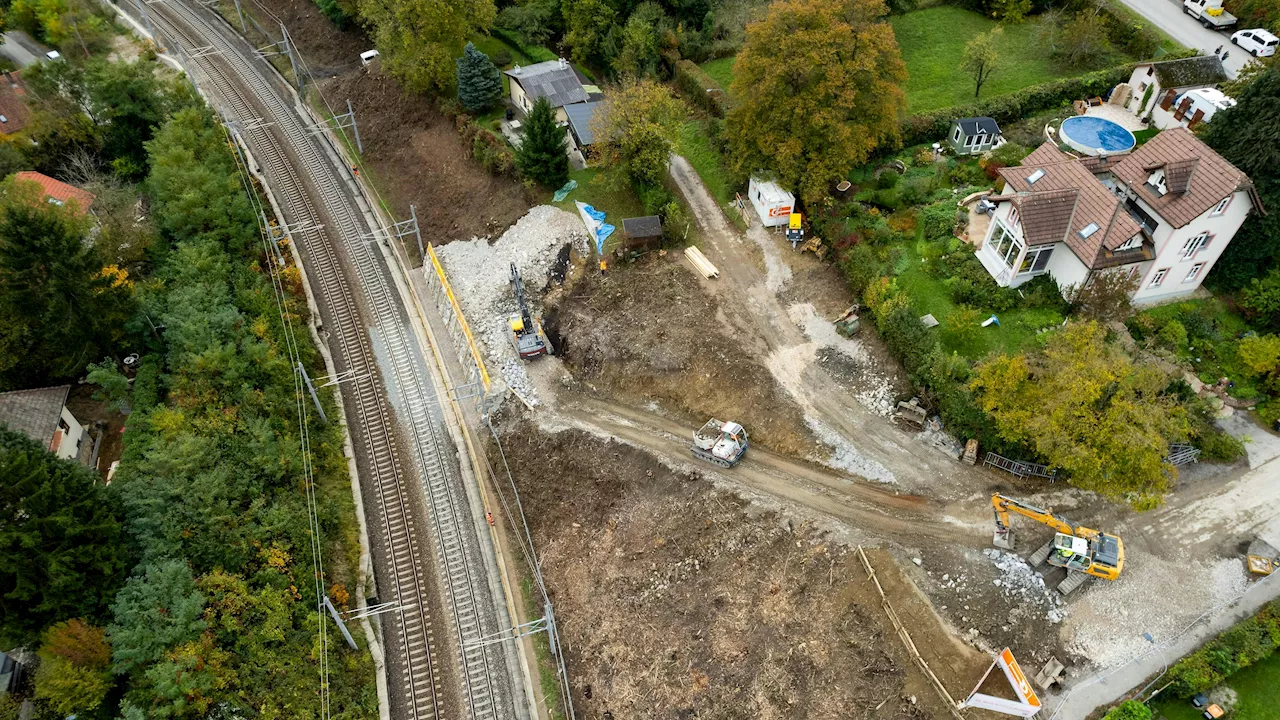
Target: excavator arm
point(1004, 505)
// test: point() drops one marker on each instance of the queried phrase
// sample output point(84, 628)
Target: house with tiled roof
point(1162, 214)
point(42, 415)
point(58, 192)
point(556, 80)
point(14, 113)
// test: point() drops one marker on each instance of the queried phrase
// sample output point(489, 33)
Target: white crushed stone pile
point(873, 390)
point(844, 456)
point(480, 273)
point(1019, 581)
point(1153, 595)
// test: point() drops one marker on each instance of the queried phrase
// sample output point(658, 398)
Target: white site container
point(772, 203)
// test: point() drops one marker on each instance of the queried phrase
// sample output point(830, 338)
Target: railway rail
point(338, 245)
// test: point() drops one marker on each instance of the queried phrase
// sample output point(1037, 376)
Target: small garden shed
point(973, 135)
point(641, 232)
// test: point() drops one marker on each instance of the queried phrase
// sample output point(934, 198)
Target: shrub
point(1042, 291)
point(1129, 710)
point(962, 325)
point(1261, 300)
point(967, 173)
point(939, 219)
point(887, 179)
point(653, 198)
point(1173, 335)
point(860, 265)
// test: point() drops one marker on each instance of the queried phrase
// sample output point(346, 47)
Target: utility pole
point(354, 128)
point(312, 388)
point(241, 14)
point(293, 61)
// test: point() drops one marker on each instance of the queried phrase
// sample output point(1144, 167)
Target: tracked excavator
point(1084, 552)
point(526, 331)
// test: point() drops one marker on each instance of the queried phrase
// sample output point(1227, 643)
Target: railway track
point(336, 240)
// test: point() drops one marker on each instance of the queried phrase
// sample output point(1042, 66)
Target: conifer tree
point(479, 84)
point(541, 156)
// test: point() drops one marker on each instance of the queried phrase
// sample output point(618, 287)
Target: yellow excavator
point(1082, 551)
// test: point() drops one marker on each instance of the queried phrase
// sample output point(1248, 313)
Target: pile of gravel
point(480, 273)
point(1020, 582)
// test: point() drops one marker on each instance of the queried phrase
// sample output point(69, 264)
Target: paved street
point(1168, 16)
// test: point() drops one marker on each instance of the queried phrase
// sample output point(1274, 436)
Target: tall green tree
point(981, 58)
point(640, 53)
point(479, 83)
point(75, 664)
point(104, 109)
point(61, 533)
point(158, 609)
point(588, 24)
point(541, 156)
point(60, 308)
point(636, 129)
point(1248, 135)
point(1088, 410)
point(818, 86)
point(419, 39)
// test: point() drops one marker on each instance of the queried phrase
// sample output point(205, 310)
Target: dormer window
point(1088, 230)
point(1156, 182)
point(1132, 243)
point(1033, 177)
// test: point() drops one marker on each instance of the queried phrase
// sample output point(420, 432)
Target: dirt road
point(765, 320)
point(869, 513)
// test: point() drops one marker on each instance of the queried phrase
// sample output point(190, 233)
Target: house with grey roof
point(974, 135)
point(1162, 215)
point(555, 80)
point(1161, 89)
point(42, 415)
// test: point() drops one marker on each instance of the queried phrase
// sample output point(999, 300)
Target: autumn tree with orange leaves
point(818, 86)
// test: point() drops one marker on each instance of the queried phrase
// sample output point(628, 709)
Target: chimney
point(564, 64)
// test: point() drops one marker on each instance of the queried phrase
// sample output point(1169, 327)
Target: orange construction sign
point(1027, 704)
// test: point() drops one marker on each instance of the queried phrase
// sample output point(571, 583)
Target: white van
point(1257, 42)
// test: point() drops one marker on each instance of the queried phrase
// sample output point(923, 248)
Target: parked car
point(1257, 42)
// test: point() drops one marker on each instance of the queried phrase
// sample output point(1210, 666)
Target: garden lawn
point(932, 43)
point(1017, 329)
point(1259, 688)
point(721, 71)
point(596, 191)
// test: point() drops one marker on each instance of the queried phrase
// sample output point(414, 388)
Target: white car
point(1257, 42)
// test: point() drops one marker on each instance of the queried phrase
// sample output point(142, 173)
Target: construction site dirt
point(675, 599)
point(412, 151)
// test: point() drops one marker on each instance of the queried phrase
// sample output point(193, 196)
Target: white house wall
point(1169, 244)
point(1065, 268)
point(987, 255)
point(69, 448)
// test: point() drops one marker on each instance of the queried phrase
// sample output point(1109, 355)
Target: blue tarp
point(594, 220)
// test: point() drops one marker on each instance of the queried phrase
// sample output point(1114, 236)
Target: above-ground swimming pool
point(1095, 135)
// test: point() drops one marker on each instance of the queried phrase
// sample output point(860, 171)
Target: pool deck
point(1117, 115)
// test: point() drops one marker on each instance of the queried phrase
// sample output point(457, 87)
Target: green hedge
point(1129, 710)
point(932, 126)
point(531, 53)
point(1243, 645)
point(700, 89)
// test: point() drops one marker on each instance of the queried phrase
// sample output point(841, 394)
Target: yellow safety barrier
point(462, 319)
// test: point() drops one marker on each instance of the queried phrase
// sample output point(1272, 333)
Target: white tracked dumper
point(722, 443)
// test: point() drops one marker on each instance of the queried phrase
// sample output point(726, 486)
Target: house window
point(956, 136)
point(1013, 216)
point(1156, 182)
point(1035, 261)
point(1159, 277)
point(1033, 177)
point(968, 142)
point(1222, 206)
point(1132, 243)
point(1195, 272)
point(1194, 245)
point(1006, 245)
point(1088, 230)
